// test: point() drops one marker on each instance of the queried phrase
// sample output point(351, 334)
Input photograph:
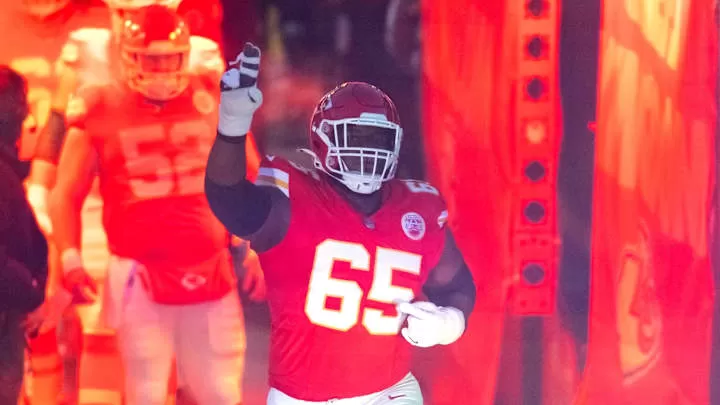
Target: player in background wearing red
point(349, 252)
point(146, 130)
point(91, 57)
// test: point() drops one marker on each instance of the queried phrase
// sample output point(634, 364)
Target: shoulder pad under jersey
point(428, 200)
point(87, 51)
point(205, 56)
point(86, 43)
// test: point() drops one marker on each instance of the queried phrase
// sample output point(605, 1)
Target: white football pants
point(405, 392)
point(207, 341)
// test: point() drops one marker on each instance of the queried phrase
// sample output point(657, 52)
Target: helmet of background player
point(355, 136)
point(121, 10)
point(13, 105)
point(155, 51)
point(44, 8)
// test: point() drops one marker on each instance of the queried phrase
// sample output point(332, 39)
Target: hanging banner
point(652, 284)
point(467, 90)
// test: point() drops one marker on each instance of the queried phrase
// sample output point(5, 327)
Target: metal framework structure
point(537, 137)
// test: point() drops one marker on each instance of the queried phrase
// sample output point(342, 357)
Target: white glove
point(240, 97)
point(429, 325)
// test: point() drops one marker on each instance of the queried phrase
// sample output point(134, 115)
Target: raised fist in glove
point(240, 97)
point(429, 325)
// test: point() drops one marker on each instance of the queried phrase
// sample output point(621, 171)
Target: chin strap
point(319, 166)
point(313, 155)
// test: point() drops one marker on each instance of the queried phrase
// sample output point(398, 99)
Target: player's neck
point(365, 204)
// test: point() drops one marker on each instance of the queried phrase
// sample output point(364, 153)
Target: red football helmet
point(155, 50)
point(355, 136)
point(121, 10)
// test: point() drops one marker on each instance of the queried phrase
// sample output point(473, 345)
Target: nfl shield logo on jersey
point(413, 225)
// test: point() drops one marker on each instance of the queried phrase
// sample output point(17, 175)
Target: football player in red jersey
point(84, 32)
point(147, 132)
point(349, 252)
point(90, 57)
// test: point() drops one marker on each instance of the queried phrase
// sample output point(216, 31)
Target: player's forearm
point(227, 161)
point(66, 220)
point(458, 293)
point(42, 174)
point(240, 205)
point(242, 208)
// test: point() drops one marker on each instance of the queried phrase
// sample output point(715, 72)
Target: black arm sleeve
point(243, 208)
point(450, 283)
point(51, 138)
point(260, 215)
point(458, 293)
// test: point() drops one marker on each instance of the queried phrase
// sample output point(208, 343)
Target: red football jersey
point(334, 279)
point(31, 47)
point(90, 52)
point(151, 169)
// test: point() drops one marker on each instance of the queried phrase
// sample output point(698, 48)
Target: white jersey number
point(176, 168)
point(323, 285)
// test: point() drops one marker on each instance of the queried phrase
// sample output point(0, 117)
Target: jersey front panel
point(32, 48)
point(335, 278)
point(152, 163)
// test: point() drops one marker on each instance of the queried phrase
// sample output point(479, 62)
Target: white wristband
point(71, 260)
